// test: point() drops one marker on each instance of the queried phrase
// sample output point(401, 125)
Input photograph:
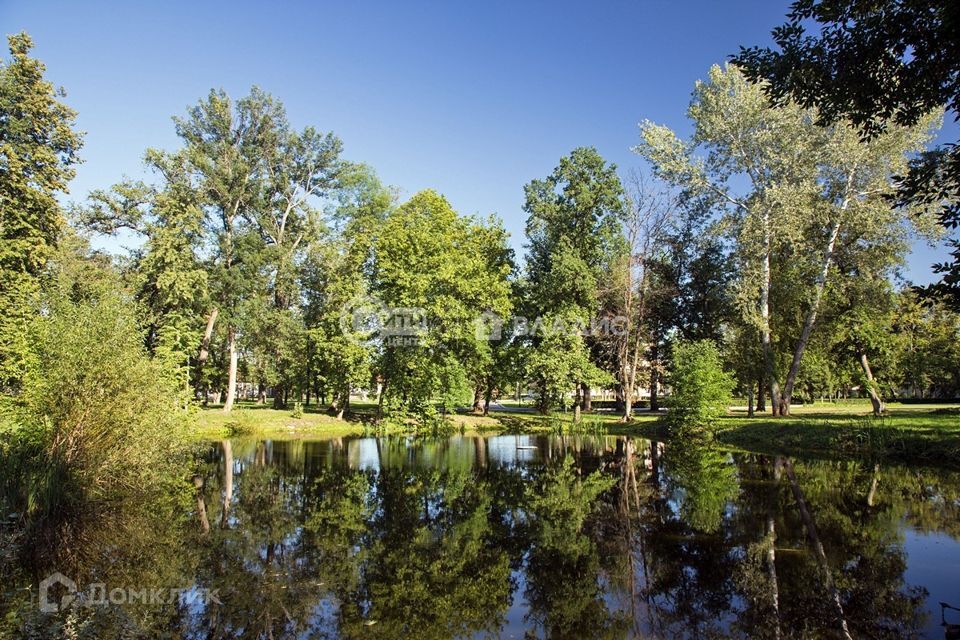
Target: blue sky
point(473, 100)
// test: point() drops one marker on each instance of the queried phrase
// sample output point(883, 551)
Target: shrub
point(700, 390)
point(297, 412)
point(97, 418)
point(241, 423)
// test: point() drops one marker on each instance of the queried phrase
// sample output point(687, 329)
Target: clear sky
point(471, 99)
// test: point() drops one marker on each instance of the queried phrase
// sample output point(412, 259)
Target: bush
point(297, 413)
point(700, 388)
point(241, 423)
point(97, 419)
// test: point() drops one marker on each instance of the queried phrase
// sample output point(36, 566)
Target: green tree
point(445, 270)
point(876, 64)
point(301, 168)
point(226, 144)
point(574, 234)
point(812, 191)
point(166, 273)
point(630, 293)
point(38, 148)
point(929, 347)
point(97, 421)
point(699, 387)
point(336, 274)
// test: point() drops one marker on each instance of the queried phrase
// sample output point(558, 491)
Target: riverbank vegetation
point(271, 269)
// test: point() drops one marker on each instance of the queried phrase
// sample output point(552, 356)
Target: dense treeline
point(272, 266)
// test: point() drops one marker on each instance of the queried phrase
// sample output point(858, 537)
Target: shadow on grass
point(919, 439)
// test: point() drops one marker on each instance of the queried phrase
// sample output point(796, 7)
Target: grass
point(916, 433)
point(907, 433)
point(262, 420)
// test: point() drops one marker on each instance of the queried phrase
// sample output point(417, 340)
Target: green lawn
point(249, 418)
point(920, 433)
point(907, 432)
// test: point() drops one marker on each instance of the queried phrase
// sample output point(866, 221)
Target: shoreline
point(924, 434)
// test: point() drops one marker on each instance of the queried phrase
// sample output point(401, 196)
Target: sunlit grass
point(924, 433)
point(265, 421)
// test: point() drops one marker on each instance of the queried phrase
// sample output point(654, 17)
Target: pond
point(526, 536)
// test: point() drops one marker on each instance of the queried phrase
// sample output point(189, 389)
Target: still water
point(537, 536)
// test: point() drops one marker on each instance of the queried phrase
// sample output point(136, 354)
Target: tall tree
point(226, 143)
point(444, 270)
point(166, 273)
point(877, 64)
point(741, 136)
point(336, 272)
point(574, 234)
point(814, 191)
point(38, 149)
point(647, 212)
point(300, 170)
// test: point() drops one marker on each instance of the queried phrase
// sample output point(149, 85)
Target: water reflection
point(529, 536)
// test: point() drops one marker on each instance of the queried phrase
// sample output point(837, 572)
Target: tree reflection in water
point(476, 537)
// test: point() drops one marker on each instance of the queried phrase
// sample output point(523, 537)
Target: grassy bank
point(249, 419)
point(908, 433)
point(916, 433)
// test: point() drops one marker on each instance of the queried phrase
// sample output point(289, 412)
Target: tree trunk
point(750, 401)
point(201, 505)
point(279, 397)
point(480, 452)
point(487, 397)
point(872, 496)
point(761, 396)
point(308, 374)
point(587, 398)
point(205, 345)
point(811, 317)
point(875, 399)
point(654, 400)
point(577, 401)
point(227, 482)
point(820, 554)
point(382, 390)
point(232, 373)
point(766, 339)
point(477, 399)
point(772, 571)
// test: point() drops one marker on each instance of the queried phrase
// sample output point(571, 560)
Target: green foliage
point(573, 228)
point(451, 269)
point(815, 214)
point(928, 347)
point(297, 412)
point(874, 63)
point(706, 479)
point(38, 148)
point(700, 388)
point(560, 504)
point(97, 419)
point(242, 422)
point(560, 360)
